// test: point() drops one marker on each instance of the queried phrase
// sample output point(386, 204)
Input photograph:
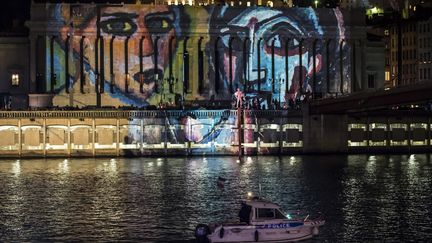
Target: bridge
point(418, 93)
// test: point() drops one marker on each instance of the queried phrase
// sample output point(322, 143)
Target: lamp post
point(316, 3)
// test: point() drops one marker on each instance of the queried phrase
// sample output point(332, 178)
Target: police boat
point(260, 221)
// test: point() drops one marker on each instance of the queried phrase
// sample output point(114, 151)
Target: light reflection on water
point(364, 198)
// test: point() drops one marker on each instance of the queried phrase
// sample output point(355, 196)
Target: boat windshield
point(269, 213)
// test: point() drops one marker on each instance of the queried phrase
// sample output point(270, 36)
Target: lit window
point(15, 79)
point(248, 4)
point(418, 134)
point(357, 135)
point(387, 75)
point(397, 134)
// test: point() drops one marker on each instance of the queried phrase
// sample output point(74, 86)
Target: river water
point(363, 197)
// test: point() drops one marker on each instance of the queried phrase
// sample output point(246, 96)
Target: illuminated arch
point(141, 54)
point(245, 64)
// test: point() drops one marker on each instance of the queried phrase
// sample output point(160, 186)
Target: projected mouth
point(149, 76)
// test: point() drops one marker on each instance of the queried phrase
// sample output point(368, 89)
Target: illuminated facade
point(133, 54)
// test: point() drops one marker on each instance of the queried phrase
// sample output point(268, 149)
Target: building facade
point(424, 45)
point(139, 55)
point(415, 50)
point(14, 72)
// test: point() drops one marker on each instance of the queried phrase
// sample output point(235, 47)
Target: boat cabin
point(258, 210)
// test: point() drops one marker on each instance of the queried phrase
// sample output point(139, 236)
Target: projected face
point(156, 26)
point(267, 29)
point(152, 27)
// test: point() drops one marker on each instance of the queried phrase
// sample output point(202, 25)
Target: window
point(279, 215)
point(15, 79)
point(371, 81)
point(387, 75)
point(265, 213)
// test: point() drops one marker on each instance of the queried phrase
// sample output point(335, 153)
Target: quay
point(83, 133)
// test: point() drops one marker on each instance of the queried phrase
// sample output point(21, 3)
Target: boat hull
point(252, 233)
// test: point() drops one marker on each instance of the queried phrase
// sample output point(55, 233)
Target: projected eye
point(119, 26)
point(159, 24)
point(277, 43)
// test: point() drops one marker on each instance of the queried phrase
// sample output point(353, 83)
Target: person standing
point(239, 98)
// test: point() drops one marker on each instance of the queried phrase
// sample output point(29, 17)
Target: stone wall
point(207, 132)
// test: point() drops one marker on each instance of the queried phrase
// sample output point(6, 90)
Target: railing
point(137, 114)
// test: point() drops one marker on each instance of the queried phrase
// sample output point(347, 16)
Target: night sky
point(13, 9)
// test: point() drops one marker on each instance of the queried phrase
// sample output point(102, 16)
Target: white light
point(238, 161)
point(412, 159)
point(249, 194)
point(16, 168)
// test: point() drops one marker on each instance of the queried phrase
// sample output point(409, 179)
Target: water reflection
point(364, 198)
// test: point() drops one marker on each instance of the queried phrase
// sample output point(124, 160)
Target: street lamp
point(316, 3)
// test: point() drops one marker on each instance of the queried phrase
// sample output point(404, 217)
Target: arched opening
point(155, 69)
point(216, 65)
point(245, 63)
point(102, 65)
point(273, 65)
point(259, 64)
point(185, 67)
point(301, 76)
point(317, 82)
point(53, 76)
point(81, 64)
point(126, 64)
point(170, 64)
point(329, 63)
point(67, 75)
point(341, 66)
point(287, 81)
point(141, 67)
point(200, 66)
point(230, 50)
point(111, 64)
point(96, 69)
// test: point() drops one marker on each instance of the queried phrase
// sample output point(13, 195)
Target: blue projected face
point(268, 31)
